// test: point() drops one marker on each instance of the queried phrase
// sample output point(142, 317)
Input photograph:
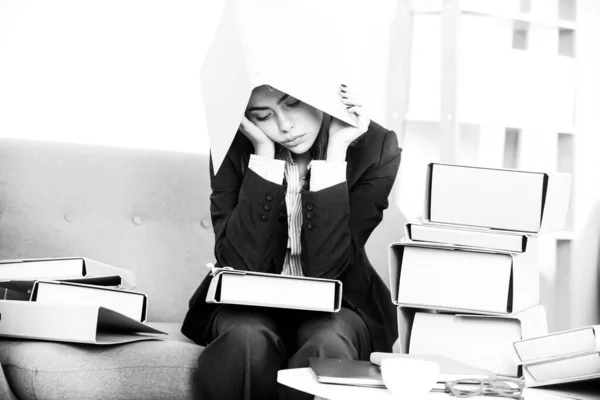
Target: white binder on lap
point(229, 286)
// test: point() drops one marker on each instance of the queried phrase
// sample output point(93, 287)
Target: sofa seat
point(147, 211)
point(151, 369)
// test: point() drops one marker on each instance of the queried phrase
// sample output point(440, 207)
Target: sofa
point(143, 210)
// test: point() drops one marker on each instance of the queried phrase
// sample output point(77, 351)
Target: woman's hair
point(318, 150)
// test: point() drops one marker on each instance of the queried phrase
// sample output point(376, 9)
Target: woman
point(298, 193)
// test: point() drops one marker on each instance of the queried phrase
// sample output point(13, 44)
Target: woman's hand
point(340, 133)
point(263, 145)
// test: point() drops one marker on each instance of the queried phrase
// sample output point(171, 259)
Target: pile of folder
point(560, 357)
point(466, 278)
point(72, 299)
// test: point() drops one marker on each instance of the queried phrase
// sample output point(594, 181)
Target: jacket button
point(309, 215)
point(269, 197)
point(310, 227)
point(264, 216)
point(267, 207)
point(310, 207)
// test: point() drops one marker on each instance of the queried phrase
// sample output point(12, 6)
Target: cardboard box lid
point(287, 46)
point(554, 198)
point(522, 292)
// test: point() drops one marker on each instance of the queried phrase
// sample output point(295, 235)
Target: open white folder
point(71, 323)
point(267, 43)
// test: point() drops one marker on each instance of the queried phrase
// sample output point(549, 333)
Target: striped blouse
point(323, 175)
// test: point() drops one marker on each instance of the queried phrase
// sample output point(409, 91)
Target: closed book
point(129, 303)
point(71, 323)
point(581, 367)
point(506, 241)
point(230, 286)
point(60, 268)
point(481, 341)
point(504, 199)
point(452, 279)
point(346, 372)
point(559, 345)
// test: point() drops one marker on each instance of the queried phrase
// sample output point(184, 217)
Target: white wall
point(585, 283)
point(126, 73)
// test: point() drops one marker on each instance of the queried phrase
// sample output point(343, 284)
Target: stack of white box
point(466, 278)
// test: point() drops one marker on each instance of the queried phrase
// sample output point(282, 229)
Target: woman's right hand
point(263, 145)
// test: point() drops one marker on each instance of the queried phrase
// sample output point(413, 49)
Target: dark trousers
point(248, 345)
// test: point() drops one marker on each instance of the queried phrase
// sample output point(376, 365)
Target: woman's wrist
point(265, 150)
point(336, 151)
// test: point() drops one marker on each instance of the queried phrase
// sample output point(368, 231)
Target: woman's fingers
point(352, 101)
point(363, 122)
point(350, 98)
point(362, 118)
point(244, 125)
point(251, 131)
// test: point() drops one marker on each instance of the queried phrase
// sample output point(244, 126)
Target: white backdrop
point(126, 73)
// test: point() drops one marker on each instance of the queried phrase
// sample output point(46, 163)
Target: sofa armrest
point(5, 391)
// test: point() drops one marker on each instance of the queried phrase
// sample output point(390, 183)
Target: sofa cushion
point(143, 370)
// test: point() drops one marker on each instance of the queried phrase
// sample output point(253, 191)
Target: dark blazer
point(250, 222)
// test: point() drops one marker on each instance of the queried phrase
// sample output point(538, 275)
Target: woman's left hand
point(342, 134)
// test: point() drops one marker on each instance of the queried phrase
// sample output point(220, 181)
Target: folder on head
point(286, 46)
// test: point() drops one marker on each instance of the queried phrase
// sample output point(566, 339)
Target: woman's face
point(284, 119)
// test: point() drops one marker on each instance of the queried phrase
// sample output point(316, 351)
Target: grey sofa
point(146, 211)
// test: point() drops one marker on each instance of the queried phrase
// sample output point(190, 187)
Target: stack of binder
point(466, 278)
point(72, 299)
point(561, 357)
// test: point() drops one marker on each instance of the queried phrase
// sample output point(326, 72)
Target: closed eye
point(263, 118)
point(293, 103)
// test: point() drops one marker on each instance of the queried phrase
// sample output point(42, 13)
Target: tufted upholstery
point(143, 210)
point(146, 211)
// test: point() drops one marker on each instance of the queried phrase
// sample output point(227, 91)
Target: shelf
point(561, 235)
point(511, 148)
point(551, 129)
point(516, 16)
point(526, 17)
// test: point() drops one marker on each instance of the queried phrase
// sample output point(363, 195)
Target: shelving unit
point(493, 83)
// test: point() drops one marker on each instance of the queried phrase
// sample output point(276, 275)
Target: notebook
point(365, 373)
point(346, 372)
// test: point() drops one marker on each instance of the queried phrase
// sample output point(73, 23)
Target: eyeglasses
point(498, 387)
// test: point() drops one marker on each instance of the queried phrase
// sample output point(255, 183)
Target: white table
point(302, 379)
